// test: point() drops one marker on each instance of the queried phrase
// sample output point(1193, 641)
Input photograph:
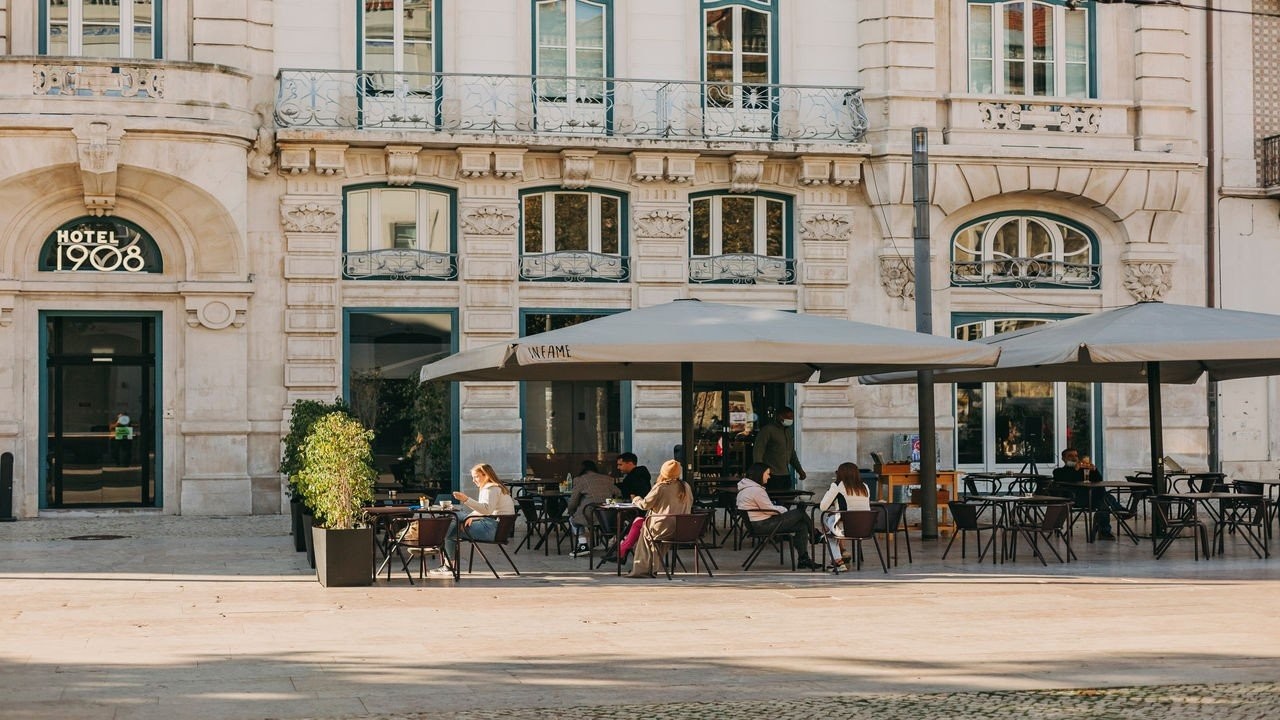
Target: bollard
point(6, 487)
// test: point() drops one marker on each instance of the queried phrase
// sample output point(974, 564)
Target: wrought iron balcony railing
point(1025, 273)
point(575, 265)
point(1270, 169)
point(470, 103)
point(399, 264)
point(743, 269)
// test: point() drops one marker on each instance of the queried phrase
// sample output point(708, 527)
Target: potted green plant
point(336, 480)
point(302, 416)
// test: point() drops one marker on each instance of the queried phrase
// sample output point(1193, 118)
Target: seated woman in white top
point(493, 498)
point(846, 493)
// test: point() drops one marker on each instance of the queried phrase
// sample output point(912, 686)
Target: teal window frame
point(788, 252)
point(449, 193)
point(536, 40)
point(430, 84)
point(996, 58)
point(157, 31)
point(1014, 281)
point(594, 239)
point(770, 7)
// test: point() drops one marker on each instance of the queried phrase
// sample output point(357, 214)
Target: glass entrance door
point(100, 390)
point(726, 419)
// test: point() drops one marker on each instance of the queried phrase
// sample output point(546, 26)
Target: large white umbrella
point(690, 340)
point(1149, 342)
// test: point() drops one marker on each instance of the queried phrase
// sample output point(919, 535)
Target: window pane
point(101, 40)
point(551, 61)
point(737, 225)
point(1014, 81)
point(1039, 242)
point(1080, 417)
point(552, 28)
point(720, 30)
point(719, 70)
point(379, 57)
point(399, 225)
point(609, 225)
point(773, 229)
point(1077, 29)
point(143, 39)
point(1041, 32)
point(437, 233)
point(1014, 44)
point(971, 331)
point(100, 13)
point(1075, 246)
point(1041, 78)
point(379, 21)
point(418, 58)
point(59, 39)
point(417, 20)
point(1005, 243)
point(980, 77)
point(358, 221)
point(589, 25)
point(980, 32)
point(969, 435)
point(755, 31)
point(1024, 422)
point(755, 69)
point(533, 223)
point(700, 227)
point(968, 243)
point(572, 221)
point(1077, 80)
point(590, 63)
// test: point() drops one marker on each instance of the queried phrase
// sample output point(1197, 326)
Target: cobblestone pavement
point(1233, 701)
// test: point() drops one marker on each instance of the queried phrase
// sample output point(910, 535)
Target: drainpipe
point(1211, 217)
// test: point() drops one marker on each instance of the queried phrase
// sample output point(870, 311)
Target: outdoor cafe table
point(623, 514)
point(1207, 500)
point(1115, 488)
point(1001, 504)
point(382, 516)
point(1001, 480)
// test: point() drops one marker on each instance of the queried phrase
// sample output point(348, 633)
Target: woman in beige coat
point(670, 496)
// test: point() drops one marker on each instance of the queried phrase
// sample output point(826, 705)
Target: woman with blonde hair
point(669, 496)
point(847, 493)
point(493, 499)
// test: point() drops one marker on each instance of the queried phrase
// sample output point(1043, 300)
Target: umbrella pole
point(686, 418)
point(1156, 418)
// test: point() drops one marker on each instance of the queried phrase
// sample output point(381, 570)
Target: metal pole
point(1155, 416)
point(924, 324)
point(686, 418)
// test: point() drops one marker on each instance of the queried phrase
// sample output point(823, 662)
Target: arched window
point(395, 233)
point(100, 244)
point(573, 235)
point(740, 238)
point(1008, 425)
point(738, 52)
point(1024, 251)
point(1031, 48)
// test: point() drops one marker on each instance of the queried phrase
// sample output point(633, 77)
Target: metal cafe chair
point(1041, 524)
point(891, 523)
point(422, 537)
point(966, 518)
point(506, 528)
point(1178, 515)
point(764, 538)
point(857, 526)
point(686, 534)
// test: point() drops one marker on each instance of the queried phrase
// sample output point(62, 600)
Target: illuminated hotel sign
point(103, 245)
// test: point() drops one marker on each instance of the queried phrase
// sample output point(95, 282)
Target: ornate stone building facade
point(335, 192)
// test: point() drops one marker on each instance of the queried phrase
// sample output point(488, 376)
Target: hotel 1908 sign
point(100, 244)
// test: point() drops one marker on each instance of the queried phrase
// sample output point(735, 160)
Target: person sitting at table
point(492, 499)
point(765, 517)
point(1074, 470)
point(847, 493)
point(636, 479)
point(669, 496)
point(590, 486)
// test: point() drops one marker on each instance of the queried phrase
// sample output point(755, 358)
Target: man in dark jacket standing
point(636, 479)
point(776, 447)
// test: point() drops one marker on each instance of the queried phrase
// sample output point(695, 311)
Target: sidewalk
point(218, 618)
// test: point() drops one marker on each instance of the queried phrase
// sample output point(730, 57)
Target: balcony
point(742, 269)
point(1021, 121)
point(1025, 272)
point(1269, 168)
point(469, 104)
point(575, 266)
point(399, 264)
point(187, 96)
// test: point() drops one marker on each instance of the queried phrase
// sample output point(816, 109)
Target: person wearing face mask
point(1075, 470)
point(776, 447)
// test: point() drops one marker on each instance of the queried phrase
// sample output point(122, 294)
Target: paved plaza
point(182, 617)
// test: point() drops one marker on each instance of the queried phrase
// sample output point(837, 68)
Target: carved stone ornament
point(312, 217)
point(98, 146)
point(814, 171)
point(826, 226)
point(508, 164)
point(647, 167)
point(215, 314)
point(489, 221)
point(264, 141)
point(98, 80)
point(474, 164)
point(1148, 280)
point(898, 277)
point(1085, 119)
point(661, 224)
point(575, 168)
point(6, 310)
point(402, 164)
point(747, 171)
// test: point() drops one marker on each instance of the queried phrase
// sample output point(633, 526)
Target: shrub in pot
point(302, 416)
point(336, 481)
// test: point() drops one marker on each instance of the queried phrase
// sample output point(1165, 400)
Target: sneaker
point(581, 551)
point(807, 564)
point(1106, 535)
point(442, 571)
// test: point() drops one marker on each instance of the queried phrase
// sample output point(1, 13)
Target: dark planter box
point(344, 558)
point(308, 537)
point(300, 531)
